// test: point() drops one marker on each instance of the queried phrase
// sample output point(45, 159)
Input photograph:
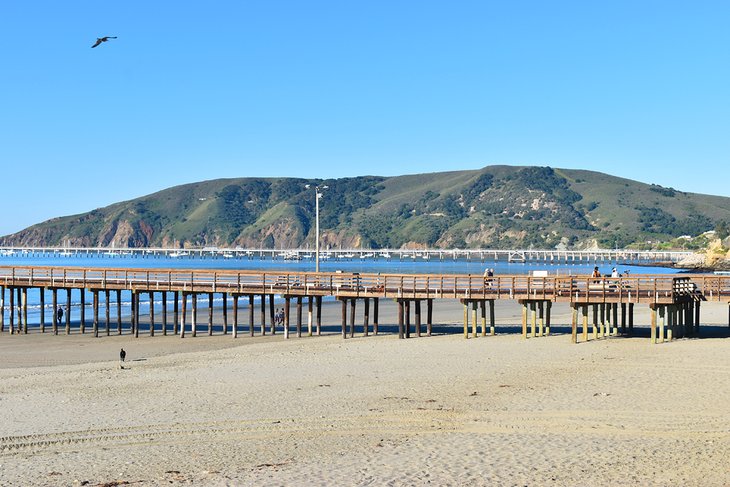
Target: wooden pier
point(674, 300)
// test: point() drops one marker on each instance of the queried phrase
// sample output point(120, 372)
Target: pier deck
point(673, 292)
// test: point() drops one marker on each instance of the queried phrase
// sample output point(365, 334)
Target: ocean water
point(384, 266)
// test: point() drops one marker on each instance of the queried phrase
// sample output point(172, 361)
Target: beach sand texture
point(367, 411)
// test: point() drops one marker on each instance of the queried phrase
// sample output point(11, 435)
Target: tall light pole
point(317, 196)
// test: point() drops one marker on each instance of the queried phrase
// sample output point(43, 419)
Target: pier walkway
point(673, 299)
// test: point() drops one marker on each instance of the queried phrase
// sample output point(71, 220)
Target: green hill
point(495, 207)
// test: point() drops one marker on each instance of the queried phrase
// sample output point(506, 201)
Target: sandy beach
point(436, 410)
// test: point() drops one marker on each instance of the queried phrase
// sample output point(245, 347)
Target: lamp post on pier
point(317, 196)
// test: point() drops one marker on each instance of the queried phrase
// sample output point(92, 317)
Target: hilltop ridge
point(493, 207)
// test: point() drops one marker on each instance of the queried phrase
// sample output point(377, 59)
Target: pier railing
point(639, 288)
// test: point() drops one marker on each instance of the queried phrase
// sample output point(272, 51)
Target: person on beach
point(59, 315)
point(122, 355)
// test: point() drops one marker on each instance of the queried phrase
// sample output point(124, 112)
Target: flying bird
point(99, 40)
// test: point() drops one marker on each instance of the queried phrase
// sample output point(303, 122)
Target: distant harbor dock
point(674, 300)
point(471, 255)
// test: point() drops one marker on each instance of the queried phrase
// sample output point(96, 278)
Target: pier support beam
point(210, 314)
point(2, 309)
point(82, 311)
point(194, 314)
point(263, 314)
point(343, 302)
point(152, 314)
point(401, 320)
point(68, 311)
point(42, 296)
point(272, 311)
point(184, 308)
point(54, 298)
point(11, 323)
point(119, 311)
point(107, 313)
point(225, 313)
point(310, 315)
point(95, 311)
point(429, 316)
point(235, 316)
point(353, 302)
point(376, 305)
point(299, 317)
point(318, 305)
point(251, 325)
point(164, 312)
point(287, 302)
point(366, 317)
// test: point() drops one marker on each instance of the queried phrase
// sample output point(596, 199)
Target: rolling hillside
point(495, 207)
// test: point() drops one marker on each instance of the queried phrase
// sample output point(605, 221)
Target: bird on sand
point(99, 40)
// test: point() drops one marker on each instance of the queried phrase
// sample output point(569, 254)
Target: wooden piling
point(653, 323)
point(194, 314)
point(210, 314)
point(119, 311)
point(42, 297)
point(602, 318)
point(2, 309)
point(25, 310)
point(152, 313)
point(272, 311)
point(235, 316)
point(533, 319)
point(466, 318)
point(95, 312)
point(401, 331)
point(287, 302)
point(492, 327)
point(524, 318)
point(310, 315)
point(175, 312)
point(574, 323)
point(429, 316)
point(19, 300)
point(366, 317)
point(263, 314)
point(107, 313)
point(344, 317)
point(251, 331)
point(135, 313)
point(631, 318)
point(623, 318)
point(376, 305)
point(662, 313)
point(82, 311)
point(614, 321)
point(585, 322)
point(353, 302)
point(183, 310)
point(54, 298)
point(417, 314)
point(11, 322)
point(164, 313)
point(474, 305)
point(318, 305)
point(541, 318)
point(697, 318)
point(408, 318)
point(548, 312)
point(299, 317)
point(225, 313)
point(68, 311)
point(671, 322)
point(595, 322)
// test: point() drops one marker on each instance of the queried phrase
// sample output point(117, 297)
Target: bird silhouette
point(99, 40)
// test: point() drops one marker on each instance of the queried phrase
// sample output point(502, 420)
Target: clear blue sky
point(203, 90)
